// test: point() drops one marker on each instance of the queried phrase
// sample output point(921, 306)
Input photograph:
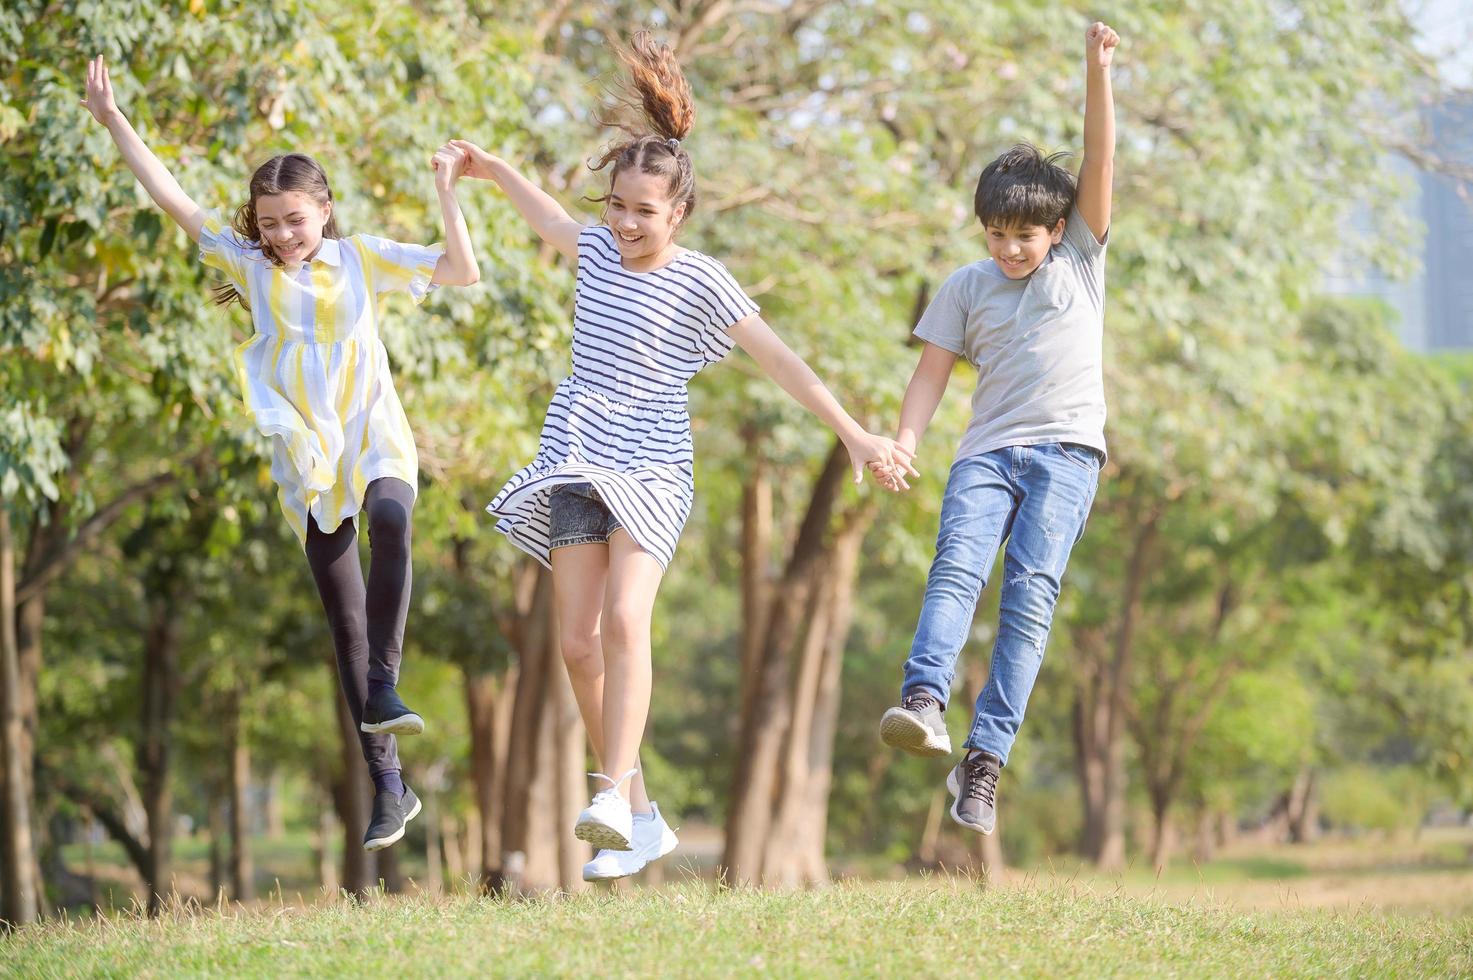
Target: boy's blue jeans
point(1036, 498)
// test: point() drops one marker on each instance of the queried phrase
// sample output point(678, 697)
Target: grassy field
point(938, 926)
point(1380, 907)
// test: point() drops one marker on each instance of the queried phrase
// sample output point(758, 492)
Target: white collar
point(330, 252)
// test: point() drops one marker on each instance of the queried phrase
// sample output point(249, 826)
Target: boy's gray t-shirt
point(1036, 344)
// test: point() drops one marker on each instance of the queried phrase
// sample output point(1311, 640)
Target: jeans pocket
point(1086, 457)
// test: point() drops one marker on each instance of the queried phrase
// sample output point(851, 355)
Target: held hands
point(478, 161)
point(449, 164)
point(887, 459)
point(99, 100)
point(1099, 45)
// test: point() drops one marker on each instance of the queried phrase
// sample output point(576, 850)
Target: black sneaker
point(385, 714)
point(973, 782)
point(390, 813)
point(917, 727)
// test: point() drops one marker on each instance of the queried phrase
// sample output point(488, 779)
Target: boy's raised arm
point(1097, 169)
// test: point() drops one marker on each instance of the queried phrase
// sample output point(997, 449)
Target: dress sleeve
point(221, 248)
point(397, 267)
point(724, 304)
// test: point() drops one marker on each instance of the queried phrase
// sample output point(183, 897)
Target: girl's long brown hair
point(654, 108)
point(288, 172)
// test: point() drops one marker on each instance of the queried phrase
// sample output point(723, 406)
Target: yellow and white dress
point(315, 377)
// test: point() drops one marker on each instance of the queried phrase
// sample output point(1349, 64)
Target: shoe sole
point(902, 730)
point(410, 724)
point(379, 843)
point(659, 853)
point(953, 786)
point(601, 836)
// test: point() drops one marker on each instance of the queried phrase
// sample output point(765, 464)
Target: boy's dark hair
point(1024, 187)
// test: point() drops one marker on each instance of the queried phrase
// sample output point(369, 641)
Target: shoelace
point(917, 702)
point(981, 781)
point(614, 784)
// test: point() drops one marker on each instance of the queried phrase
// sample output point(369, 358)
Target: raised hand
point(99, 100)
point(478, 161)
point(449, 165)
point(1099, 45)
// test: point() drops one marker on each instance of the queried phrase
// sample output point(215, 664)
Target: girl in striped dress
point(315, 378)
point(604, 501)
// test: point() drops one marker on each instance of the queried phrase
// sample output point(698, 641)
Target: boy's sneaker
point(386, 714)
point(607, 823)
point(916, 726)
point(973, 782)
point(390, 813)
point(653, 839)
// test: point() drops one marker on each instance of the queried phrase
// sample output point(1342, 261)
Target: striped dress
point(315, 376)
point(620, 421)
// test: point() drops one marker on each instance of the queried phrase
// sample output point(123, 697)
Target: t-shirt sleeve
point(945, 321)
point(1089, 253)
point(400, 267)
point(221, 248)
point(723, 303)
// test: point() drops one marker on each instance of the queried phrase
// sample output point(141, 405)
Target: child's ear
point(678, 215)
point(1057, 235)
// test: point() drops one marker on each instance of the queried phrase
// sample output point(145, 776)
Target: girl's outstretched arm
point(152, 174)
point(547, 217)
point(795, 377)
point(457, 267)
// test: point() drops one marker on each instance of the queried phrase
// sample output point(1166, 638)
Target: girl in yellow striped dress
point(315, 378)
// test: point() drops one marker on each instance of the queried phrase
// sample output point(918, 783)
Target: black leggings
point(367, 624)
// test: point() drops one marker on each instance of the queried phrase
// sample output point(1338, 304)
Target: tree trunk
point(155, 743)
point(1099, 713)
point(218, 823)
point(242, 870)
point(390, 872)
point(275, 812)
point(30, 616)
point(760, 741)
point(488, 712)
point(756, 573)
point(352, 800)
point(796, 853)
point(1163, 833)
point(18, 904)
point(327, 829)
point(1303, 808)
point(454, 851)
point(528, 845)
point(434, 852)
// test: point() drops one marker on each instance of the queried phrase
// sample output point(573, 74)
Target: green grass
point(933, 927)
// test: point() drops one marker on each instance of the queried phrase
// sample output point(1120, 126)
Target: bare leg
point(629, 599)
point(579, 574)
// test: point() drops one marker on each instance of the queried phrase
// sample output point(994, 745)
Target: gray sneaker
point(973, 782)
point(916, 727)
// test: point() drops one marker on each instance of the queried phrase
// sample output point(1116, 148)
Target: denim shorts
point(578, 515)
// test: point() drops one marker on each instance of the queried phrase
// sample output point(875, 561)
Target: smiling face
point(643, 219)
point(291, 224)
point(1019, 249)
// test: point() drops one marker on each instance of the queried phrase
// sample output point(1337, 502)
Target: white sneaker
point(653, 839)
point(607, 823)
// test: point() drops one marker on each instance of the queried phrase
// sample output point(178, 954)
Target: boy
point(1031, 318)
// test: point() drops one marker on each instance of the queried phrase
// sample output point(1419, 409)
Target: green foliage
point(1390, 800)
